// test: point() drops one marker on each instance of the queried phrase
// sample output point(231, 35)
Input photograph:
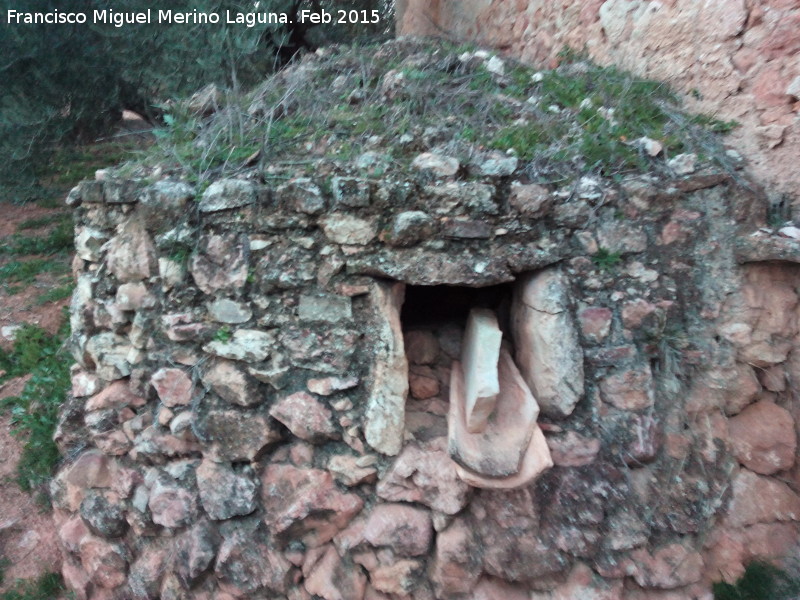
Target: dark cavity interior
point(427, 306)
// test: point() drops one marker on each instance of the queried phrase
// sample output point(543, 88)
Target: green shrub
point(46, 587)
point(64, 82)
point(4, 564)
point(57, 293)
point(23, 272)
point(34, 413)
point(760, 581)
point(58, 240)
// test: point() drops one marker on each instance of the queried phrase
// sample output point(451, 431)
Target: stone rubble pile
point(254, 413)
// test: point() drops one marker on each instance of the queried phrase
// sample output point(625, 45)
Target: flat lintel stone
point(420, 266)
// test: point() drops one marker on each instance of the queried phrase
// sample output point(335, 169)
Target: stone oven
point(438, 386)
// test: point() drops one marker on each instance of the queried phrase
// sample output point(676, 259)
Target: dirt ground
point(28, 543)
point(27, 534)
point(21, 307)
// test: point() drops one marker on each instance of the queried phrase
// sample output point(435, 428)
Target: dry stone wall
point(266, 397)
point(737, 59)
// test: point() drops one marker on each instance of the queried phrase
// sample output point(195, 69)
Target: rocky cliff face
point(734, 58)
point(440, 379)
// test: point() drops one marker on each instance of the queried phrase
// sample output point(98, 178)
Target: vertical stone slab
point(386, 407)
point(548, 352)
point(480, 355)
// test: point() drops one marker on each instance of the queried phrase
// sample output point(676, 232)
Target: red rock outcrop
point(734, 59)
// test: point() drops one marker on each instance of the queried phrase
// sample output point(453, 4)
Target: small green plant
point(223, 334)
point(326, 186)
point(53, 247)
point(415, 74)
point(23, 272)
point(73, 163)
point(34, 413)
point(483, 81)
point(200, 158)
point(775, 220)
point(180, 253)
point(39, 222)
point(45, 587)
point(779, 212)
point(519, 81)
point(760, 581)
point(526, 140)
point(32, 346)
point(55, 294)
point(57, 241)
point(568, 54)
point(715, 125)
point(178, 128)
point(605, 260)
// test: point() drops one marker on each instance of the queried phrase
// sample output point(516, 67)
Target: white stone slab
point(498, 450)
point(480, 355)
